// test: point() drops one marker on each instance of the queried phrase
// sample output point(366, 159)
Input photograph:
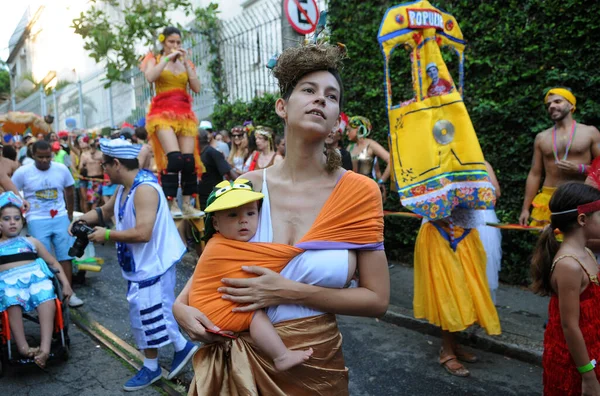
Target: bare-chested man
point(90, 166)
point(561, 153)
point(7, 168)
point(146, 156)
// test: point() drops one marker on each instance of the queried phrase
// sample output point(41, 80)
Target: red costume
point(560, 373)
point(442, 87)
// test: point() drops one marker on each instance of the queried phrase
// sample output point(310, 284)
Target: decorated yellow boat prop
point(437, 161)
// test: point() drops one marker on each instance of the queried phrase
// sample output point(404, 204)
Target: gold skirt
point(540, 215)
point(451, 288)
point(238, 367)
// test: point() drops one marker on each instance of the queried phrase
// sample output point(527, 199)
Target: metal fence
point(246, 44)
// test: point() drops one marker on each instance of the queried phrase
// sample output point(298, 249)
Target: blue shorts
point(28, 286)
point(53, 233)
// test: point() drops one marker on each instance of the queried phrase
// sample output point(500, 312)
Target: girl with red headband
point(568, 273)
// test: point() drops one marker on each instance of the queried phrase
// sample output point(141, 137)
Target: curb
point(127, 353)
point(402, 317)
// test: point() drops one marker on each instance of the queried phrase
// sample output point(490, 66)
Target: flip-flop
point(459, 371)
point(465, 356)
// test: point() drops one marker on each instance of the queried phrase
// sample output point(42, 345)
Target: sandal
point(41, 358)
point(30, 352)
point(458, 370)
point(465, 356)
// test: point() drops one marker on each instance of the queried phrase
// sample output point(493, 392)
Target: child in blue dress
point(25, 280)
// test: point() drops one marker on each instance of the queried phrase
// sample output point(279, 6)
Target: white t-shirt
point(44, 189)
point(223, 148)
point(28, 161)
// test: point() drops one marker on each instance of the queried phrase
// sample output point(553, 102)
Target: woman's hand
point(589, 384)
point(195, 323)
point(183, 54)
point(259, 292)
point(177, 54)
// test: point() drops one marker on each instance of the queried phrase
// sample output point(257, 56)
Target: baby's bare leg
point(268, 341)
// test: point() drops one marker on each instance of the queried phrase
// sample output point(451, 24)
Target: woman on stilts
point(171, 123)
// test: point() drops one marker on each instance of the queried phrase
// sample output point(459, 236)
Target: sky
point(12, 11)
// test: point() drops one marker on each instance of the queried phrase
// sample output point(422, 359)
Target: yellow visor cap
point(229, 195)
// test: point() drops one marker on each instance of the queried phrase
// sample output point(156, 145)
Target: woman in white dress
point(491, 237)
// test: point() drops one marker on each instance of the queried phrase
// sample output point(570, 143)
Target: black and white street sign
point(303, 15)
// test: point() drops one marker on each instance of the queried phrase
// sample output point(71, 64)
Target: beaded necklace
point(554, 145)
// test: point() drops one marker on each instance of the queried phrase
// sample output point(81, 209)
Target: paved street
point(383, 359)
point(90, 371)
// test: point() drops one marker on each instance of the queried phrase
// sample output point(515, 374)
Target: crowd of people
point(281, 201)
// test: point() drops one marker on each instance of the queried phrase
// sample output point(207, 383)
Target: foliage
point(261, 110)
point(207, 22)
point(35, 86)
point(517, 49)
point(114, 42)
point(4, 81)
point(4, 84)
point(71, 106)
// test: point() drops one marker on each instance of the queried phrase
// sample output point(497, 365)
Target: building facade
point(44, 48)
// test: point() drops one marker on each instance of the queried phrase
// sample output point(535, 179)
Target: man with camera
point(148, 247)
point(48, 186)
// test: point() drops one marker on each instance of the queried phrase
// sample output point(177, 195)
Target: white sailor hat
point(430, 65)
point(119, 148)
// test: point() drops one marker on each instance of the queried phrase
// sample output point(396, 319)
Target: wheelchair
point(9, 355)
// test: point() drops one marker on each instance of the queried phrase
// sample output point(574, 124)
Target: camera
point(81, 232)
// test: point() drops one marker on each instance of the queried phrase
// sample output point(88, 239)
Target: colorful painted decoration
point(437, 161)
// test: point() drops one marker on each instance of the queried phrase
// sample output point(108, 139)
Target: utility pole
point(289, 37)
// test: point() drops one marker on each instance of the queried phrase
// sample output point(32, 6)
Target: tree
point(35, 85)
point(4, 82)
point(114, 42)
point(4, 85)
point(71, 106)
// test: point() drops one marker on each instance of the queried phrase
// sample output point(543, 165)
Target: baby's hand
point(67, 292)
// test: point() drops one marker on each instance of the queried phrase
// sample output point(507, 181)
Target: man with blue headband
point(148, 248)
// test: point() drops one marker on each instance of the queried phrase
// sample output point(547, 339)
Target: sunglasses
point(237, 135)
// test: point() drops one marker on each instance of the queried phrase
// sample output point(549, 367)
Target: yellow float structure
point(437, 161)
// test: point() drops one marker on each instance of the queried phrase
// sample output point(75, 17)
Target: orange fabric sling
point(353, 214)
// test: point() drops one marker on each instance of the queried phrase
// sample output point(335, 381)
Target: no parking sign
point(303, 15)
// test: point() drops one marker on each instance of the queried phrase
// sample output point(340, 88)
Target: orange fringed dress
point(561, 377)
point(171, 108)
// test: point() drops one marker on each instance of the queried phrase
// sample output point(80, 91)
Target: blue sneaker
point(145, 377)
point(181, 358)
